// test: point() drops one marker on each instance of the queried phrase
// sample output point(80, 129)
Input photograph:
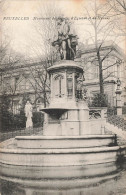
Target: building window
point(16, 107)
point(94, 70)
point(91, 70)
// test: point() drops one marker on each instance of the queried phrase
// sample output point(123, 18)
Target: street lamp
point(118, 97)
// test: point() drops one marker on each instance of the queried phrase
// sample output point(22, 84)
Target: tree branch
point(109, 66)
point(108, 76)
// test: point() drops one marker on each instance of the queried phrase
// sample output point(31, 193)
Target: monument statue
point(66, 41)
point(28, 114)
point(79, 87)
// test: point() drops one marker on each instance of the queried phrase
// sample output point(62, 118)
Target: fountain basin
point(59, 157)
point(65, 172)
point(59, 151)
point(48, 178)
point(48, 186)
point(60, 142)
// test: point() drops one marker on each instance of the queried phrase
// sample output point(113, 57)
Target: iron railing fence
point(117, 121)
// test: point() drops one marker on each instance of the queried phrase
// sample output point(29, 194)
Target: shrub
point(124, 110)
point(12, 122)
point(38, 119)
point(99, 100)
point(111, 111)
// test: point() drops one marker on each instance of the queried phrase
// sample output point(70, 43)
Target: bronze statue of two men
point(66, 41)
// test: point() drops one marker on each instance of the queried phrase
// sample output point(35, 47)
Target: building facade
point(24, 80)
point(114, 62)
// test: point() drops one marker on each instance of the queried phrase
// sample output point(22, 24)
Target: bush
point(19, 121)
point(12, 122)
point(99, 100)
point(124, 110)
point(111, 111)
point(6, 121)
point(38, 119)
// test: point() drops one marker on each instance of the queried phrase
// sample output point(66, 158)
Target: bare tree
point(4, 42)
point(119, 11)
point(39, 81)
point(101, 31)
point(119, 6)
point(46, 32)
point(9, 84)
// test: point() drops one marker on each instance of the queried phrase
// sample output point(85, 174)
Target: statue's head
point(28, 102)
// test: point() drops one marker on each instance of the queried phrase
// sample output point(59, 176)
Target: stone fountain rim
point(60, 151)
point(38, 137)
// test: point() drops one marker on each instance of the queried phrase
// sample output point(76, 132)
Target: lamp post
point(118, 98)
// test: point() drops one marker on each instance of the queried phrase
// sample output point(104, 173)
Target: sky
point(22, 33)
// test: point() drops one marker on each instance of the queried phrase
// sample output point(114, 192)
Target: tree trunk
point(101, 79)
point(100, 74)
point(44, 93)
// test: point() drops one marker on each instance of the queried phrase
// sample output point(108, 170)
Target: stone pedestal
point(68, 113)
point(29, 123)
point(28, 114)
